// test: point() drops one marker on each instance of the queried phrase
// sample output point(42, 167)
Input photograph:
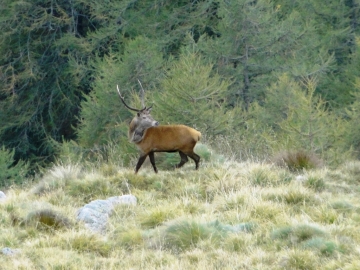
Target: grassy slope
point(185, 219)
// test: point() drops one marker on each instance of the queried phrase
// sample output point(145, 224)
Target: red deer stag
point(150, 138)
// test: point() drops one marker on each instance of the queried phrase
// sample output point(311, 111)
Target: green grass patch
point(324, 246)
point(315, 183)
point(185, 234)
point(155, 218)
point(130, 238)
point(293, 235)
point(86, 243)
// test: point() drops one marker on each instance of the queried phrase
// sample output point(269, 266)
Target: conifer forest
point(256, 77)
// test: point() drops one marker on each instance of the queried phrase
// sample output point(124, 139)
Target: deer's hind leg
point(194, 157)
point(183, 160)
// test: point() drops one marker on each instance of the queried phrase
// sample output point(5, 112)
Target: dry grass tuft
point(47, 218)
point(297, 160)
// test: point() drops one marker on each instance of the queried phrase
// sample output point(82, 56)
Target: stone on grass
point(2, 196)
point(9, 251)
point(95, 214)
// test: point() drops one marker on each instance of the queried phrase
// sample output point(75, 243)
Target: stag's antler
point(123, 101)
point(142, 96)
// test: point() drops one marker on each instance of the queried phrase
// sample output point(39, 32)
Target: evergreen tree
point(300, 119)
point(256, 44)
point(104, 119)
point(45, 47)
point(336, 25)
point(11, 172)
point(193, 94)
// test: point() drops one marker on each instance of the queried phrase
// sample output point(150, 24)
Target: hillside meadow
point(226, 215)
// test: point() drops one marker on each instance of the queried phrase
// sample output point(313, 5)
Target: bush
point(297, 160)
point(47, 218)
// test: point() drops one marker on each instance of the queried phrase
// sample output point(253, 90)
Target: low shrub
point(297, 160)
point(47, 218)
point(325, 247)
point(297, 234)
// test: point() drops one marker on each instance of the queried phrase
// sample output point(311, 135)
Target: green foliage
point(194, 95)
point(201, 63)
point(353, 130)
point(42, 88)
point(256, 43)
point(104, 119)
point(333, 26)
point(11, 172)
point(300, 120)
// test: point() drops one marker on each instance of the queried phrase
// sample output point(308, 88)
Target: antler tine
point(142, 95)
point(123, 101)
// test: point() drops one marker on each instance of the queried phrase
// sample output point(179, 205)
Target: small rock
point(2, 196)
point(300, 178)
point(10, 252)
point(95, 214)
